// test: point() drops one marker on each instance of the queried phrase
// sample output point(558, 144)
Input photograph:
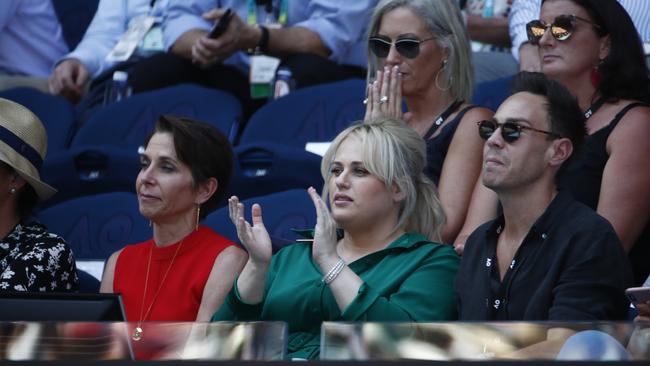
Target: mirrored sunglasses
point(510, 131)
point(407, 47)
point(561, 28)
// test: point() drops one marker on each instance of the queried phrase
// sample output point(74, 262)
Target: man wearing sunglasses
point(547, 257)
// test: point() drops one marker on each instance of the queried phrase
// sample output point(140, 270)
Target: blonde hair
point(445, 22)
point(395, 154)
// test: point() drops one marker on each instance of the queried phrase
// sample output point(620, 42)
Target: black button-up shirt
point(570, 267)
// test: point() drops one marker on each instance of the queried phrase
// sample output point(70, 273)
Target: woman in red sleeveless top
point(184, 272)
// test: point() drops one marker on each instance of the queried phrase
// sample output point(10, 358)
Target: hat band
point(21, 147)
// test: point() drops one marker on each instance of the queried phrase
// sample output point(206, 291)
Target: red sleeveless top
point(180, 295)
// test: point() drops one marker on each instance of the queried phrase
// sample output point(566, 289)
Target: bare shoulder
point(467, 125)
point(232, 255)
point(109, 272)
point(227, 265)
point(633, 129)
point(476, 114)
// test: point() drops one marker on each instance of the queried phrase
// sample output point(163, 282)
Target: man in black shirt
point(547, 257)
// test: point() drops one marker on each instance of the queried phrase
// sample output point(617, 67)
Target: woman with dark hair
point(592, 48)
point(419, 53)
point(31, 259)
point(184, 272)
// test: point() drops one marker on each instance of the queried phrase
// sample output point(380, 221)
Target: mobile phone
point(638, 294)
point(221, 25)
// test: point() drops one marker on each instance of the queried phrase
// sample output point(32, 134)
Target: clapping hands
point(324, 247)
point(255, 238)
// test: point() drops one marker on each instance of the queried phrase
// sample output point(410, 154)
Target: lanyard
point(282, 15)
point(594, 107)
point(441, 118)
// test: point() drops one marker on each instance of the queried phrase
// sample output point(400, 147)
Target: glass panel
point(158, 341)
point(484, 341)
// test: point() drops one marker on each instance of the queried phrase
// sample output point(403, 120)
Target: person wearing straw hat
point(31, 258)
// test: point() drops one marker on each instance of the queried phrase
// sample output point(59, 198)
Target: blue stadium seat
point(312, 114)
point(74, 16)
point(128, 122)
point(82, 171)
point(282, 211)
point(491, 94)
point(263, 168)
point(271, 154)
point(96, 226)
point(87, 282)
point(56, 113)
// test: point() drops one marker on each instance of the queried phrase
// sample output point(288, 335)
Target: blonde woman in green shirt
point(374, 257)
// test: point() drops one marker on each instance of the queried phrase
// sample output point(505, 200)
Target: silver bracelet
point(334, 272)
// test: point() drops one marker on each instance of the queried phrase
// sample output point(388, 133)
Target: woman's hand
point(324, 247)
point(644, 312)
point(254, 238)
point(385, 95)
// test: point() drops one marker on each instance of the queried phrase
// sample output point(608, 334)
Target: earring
point(12, 190)
point(198, 214)
point(437, 82)
point(595, 76)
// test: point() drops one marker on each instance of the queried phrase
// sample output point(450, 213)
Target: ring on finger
point(383, 99)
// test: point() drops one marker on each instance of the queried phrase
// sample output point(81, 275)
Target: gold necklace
point(137, 333)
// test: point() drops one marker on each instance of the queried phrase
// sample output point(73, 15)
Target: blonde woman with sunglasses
point(418, 53)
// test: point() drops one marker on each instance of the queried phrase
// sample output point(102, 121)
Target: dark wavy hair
point(204, 149)
point(624, 74)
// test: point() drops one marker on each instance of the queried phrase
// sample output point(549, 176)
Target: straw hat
point(23, 144)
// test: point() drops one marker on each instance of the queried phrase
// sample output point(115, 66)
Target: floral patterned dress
point(31, 259)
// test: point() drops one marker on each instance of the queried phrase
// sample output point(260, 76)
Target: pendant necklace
point(138, 332)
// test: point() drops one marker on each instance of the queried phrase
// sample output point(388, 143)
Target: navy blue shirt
point(570, 267)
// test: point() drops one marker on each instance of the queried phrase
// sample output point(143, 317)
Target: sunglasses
point(407, 47)
point(510, 131)
point(561, 29)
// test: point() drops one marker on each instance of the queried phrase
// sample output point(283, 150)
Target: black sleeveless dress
point(437, 147)
point(583, 175)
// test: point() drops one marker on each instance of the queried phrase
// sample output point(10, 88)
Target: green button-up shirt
point(410, 280)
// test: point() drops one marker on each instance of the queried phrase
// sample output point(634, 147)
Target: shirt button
point(544, 236)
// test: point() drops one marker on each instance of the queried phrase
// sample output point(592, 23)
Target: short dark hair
point(204, 149)
point(564, 114)
point(623, 73)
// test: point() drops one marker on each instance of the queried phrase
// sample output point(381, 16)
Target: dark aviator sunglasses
point(407, 47)
point(561, 28)
point(510, 130)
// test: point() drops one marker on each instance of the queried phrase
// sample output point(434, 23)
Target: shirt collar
point(543, 223)
point(406, 240)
